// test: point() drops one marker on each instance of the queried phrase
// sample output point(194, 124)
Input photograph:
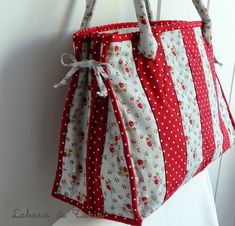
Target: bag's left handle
point(147, 43)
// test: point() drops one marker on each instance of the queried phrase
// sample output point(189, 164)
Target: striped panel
point(186, 94)
point(204, 96)
point(141, 128)
point(73, 179)
point(114, 175)
point(220, 133)
point(159, 88)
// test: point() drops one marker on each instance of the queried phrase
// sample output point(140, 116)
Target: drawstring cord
point(91, 64)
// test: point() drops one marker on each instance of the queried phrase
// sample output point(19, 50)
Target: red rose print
point(128, 206)
point(78, 197)
point(127, 70)
point(143, 20)
point(140, 105)
point(194, 155)
point(149, 143)
point(74, 178)
point(190, 121)
point(121, 85)
point(116, 138)
point(108, 186)
point(120, 61)
point(131, 123)
point(116, 48)
point(183, 87)
point(156, 181)
point(144, 199)
point(125, 169)
point(140, 162)
point(174, 53)
point(65, 154)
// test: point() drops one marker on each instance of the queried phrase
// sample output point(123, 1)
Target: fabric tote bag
point(145, 113)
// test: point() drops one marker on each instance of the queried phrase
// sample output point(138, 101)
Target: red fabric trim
point(89, 201)
point(210, 56)
point(101, 216)
point(99, 134)
point(195, 62)
point(158, 26)
point(159, 89)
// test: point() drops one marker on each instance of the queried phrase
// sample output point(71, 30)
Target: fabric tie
point(91, 64)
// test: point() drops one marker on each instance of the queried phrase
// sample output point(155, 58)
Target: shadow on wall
point(30, 121)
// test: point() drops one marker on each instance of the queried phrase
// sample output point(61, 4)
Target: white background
point(33, 35)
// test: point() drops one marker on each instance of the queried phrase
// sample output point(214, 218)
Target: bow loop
point(91, 64)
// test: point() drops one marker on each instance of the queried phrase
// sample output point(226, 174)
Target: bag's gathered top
point(145, 113)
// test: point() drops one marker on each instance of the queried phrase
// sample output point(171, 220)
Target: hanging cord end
point(63, 83)
point(217, 62)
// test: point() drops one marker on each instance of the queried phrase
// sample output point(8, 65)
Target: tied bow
point(91, 64)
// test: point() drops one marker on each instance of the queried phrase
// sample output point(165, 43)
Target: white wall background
point(33, 35)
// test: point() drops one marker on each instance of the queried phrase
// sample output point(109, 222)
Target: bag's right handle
point(207, 27)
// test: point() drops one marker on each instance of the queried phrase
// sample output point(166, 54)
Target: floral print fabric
point(142, 131)
point(73, 180)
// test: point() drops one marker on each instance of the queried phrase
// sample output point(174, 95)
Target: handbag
point(145, 113)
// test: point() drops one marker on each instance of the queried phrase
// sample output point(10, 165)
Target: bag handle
point(147, 43)
point(90, 7)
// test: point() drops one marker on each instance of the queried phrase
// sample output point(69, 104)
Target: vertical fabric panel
point(205, 96)
point(141, 128)
point(220, 132)
point(114, 172)
point(186, 94)
point(73, 179)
